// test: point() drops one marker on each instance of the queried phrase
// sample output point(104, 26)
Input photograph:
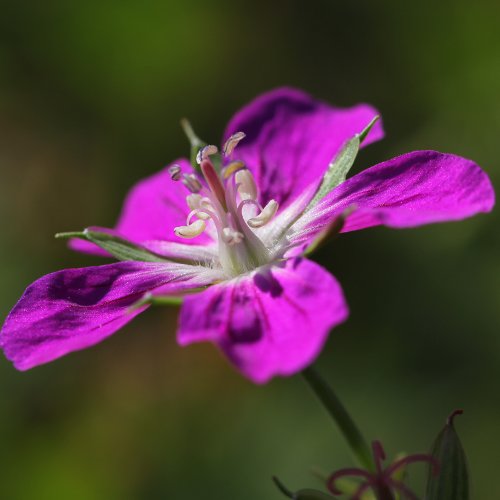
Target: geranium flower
point(232, 241)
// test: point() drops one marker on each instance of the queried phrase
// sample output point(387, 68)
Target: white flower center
point(230, 201)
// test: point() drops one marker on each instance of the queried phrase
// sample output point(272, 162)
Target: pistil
point(213, 181)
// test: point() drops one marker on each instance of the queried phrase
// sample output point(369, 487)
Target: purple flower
point(232, 241)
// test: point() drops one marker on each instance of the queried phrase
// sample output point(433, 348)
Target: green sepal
point(151, 300)
point(366, 130)
point(194, 140)
point(452, 480)
point(329, 232)
point(339, 167)
point(305, 494)
point(118, 247)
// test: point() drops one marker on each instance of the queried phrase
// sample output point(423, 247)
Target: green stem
point(345, 423)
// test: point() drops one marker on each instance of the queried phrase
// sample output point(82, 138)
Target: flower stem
point(345, 423)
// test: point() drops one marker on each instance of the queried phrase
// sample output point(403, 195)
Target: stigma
point(228, 201)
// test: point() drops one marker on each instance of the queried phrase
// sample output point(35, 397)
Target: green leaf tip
point(340, 165)
point(70, 234)
point(337, 170)
point(452, 481)
point(362, 135)
point(117, 247)
point(452, 415)
point(148, 299)
point(194, 140)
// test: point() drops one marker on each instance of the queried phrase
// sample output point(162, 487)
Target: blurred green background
point(91, 94)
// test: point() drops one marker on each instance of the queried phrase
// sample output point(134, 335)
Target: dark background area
point(91, 94)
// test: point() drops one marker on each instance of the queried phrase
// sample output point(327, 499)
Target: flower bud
point(452, 481)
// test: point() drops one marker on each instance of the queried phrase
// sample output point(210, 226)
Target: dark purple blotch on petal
point(76, 308)
point(266, 282)
point(272, 323)
point(292, 137)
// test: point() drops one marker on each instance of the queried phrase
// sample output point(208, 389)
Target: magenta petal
point(77, 308)
point(413, 189)
point(273, 322)
point(152, 208)
point(291, 138)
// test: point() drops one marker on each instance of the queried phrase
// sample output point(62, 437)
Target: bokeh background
point(91, 94)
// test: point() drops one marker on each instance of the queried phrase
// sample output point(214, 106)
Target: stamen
point(206, 204)
point(205, 152)
point(231, 237)
point(194, 202)
point(265, 216)
point(232, 142)
point(231, 169)
point(175, 172)
point(246, 184)
point(191, 231)
point(191, 182)
point(213, 181)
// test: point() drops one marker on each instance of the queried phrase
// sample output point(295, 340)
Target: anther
point(246, 184)
point(195, 203)
point(230, 169)
point(265, 216)
point(175, 172)
point(191, 231)
point(191, 182)
point(231, 237)
point(232, 142)
point(205, 152)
